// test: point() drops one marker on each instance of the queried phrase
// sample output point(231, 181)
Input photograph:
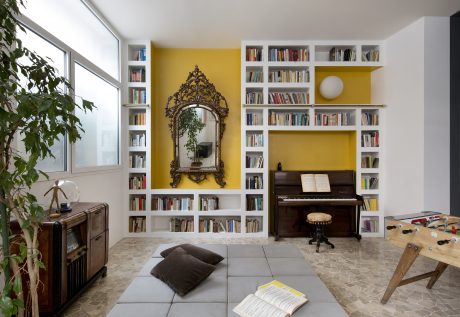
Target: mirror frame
point(197, 90)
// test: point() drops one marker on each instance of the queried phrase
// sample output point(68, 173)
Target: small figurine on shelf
point(55, 188)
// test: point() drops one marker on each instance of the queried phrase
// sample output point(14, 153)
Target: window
point(99, 144)
point(73, 23)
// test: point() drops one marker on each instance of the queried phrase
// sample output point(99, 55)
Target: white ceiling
point(224, 23)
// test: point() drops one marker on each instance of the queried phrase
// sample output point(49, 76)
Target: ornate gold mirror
point(196, 113)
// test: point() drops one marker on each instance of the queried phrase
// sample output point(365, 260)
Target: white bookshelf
point(264, 84)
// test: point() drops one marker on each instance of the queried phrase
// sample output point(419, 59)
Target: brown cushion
point(181, 271)
point(199, 253)
point(318, 217)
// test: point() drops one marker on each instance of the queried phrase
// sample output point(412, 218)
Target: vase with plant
point(35, 110)
point(191, 124)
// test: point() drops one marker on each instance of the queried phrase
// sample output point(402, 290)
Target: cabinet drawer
point(97, 254)
point(97, 222)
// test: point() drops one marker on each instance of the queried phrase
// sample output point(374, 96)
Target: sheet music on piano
point(318, 183)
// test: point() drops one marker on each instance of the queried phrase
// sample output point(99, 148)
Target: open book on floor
point(274, 299)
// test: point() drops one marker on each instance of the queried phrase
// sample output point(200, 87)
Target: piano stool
point(319, 220)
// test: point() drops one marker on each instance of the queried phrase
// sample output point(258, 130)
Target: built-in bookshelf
point(278, 94)
point(136, 138)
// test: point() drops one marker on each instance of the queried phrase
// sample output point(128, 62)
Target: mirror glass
point(197, 134)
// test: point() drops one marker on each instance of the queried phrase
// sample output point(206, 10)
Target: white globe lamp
point(331, 87)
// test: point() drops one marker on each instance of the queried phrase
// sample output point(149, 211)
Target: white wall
point(414, 85)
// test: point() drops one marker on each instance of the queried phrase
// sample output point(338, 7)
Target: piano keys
point(290, 206)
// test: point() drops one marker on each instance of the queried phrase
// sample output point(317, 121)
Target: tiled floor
point(357, 273)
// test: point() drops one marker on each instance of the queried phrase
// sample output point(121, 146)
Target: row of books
point(138, 118)
point(254, 76)
point(208, 203)
point(370, 139)
point(253, 225)
point(286, 98)
point(254, 203)
point(369, 161)
point(137, 203)
point(255, 139)
point(138, 182)
point(288, 55)
point(254, 161)
point(370, 204)
point(140, 55)
point(288, 118)
point(369, 118)
point(136, 224)
point(289, 76)
point(369, 182)
point(342, 55)
point(370, 225)
point(220, 225)
point(181, 225)
point(333, 119)
point(254, 118)
point(254, 98)
point(254, 182)
point(372, 55)
point(137, 75)
point(138, 96)
point(137, 139)
point(253, 54)
point(172, 203)
point(136, 161)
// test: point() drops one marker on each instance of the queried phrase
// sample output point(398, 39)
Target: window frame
point(72, 57)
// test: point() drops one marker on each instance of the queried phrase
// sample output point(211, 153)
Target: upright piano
point(290, 205)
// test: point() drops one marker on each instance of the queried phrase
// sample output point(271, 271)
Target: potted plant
point(34, 110)
point(190, 123)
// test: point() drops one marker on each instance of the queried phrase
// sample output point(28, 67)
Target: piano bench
point(319, 220)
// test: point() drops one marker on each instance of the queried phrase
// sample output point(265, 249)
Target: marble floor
point(356, 273)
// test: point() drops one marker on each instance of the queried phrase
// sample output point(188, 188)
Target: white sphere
point(331, 87)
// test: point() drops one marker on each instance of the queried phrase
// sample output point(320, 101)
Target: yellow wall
point(318, 150)
point(356, 86)
point(170, 68)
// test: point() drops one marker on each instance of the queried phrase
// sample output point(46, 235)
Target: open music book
point(315, 183)
point(271, 300)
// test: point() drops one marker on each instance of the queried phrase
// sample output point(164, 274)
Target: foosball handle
point(406, 231)
point(442, 242)
point(391, 227)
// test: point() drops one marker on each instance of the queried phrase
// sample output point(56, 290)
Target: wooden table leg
point(437, 273)
point(405, 262)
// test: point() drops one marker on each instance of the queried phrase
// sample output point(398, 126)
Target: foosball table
point(431, 234)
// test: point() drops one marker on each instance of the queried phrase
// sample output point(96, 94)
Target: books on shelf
point(370, 139)
point(253, 54)
point(208, 203)
point(254, 98)
point(140, 55)
point(136, 224)
point(138, 96)
point(253, 225)
point(137, 140)
point(137, 203)
point(254, 182)
point(254, 118)
point(342, 54)
point(371, 55)
point(370, 204)
point(254, 161)
point(289, 76)
point(370, 224)
point(369, 118)
point(255, 140)
point(254, 76)
point(181, 225)
point(138, 182)
point(137, 161)
point(369, 182)
point(172, 203)
point(271, 300)
point(220, 225)
point(369, 161)
point(286, 98)
point(288, 118)
point(288, 55)
point(137, 118)
point(317, 183)
point(333, 119)
point(254, 203)
point(137, 75)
